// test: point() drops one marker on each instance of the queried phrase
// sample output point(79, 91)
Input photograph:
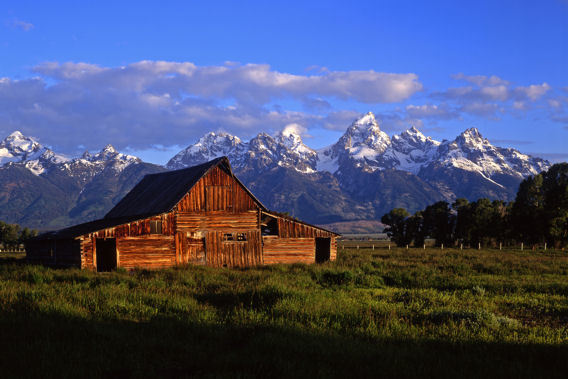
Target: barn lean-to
point(198, 215)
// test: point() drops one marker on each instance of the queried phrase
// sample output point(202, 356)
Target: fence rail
point(12, 251)
point(385, 244)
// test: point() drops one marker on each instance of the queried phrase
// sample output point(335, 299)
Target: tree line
point(538, 215)
point(12, 235)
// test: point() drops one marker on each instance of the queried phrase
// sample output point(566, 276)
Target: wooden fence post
point(500, 245)
point(442, 246)
point(545, 246)
point(479, 246)
point(522, 246)
point(461, 246)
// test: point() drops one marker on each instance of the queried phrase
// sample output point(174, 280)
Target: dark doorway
point(106, 254)
point(323, 247)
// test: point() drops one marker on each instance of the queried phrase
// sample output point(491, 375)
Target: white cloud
point(295, 128)
point(149, 102)
point(488, 110)
point(441, 112)
point(533, 92)
point(22, 25)
point(480, 80)
point(256, 83)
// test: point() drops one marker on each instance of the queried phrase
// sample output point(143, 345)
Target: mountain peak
point(367, 122)
point(472, 133)
point(15, 134)
point(472, 139)
point(16, 148)
point(16, 140)
point(414, 130)
point(109, 149)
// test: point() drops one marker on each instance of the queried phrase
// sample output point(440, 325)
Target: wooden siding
point(155, 251)
point(288, 250)
point(216, 221)
point(333, 249)
point(220, 253)
point(139, 228)
point(225, 193)
point(190, 249)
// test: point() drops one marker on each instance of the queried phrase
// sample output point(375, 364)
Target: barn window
point(241, 237)
point(228, 237)
point(155, 227)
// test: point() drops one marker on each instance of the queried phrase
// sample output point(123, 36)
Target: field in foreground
point(372, 313)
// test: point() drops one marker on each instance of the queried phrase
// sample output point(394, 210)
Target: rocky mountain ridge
point(360, 177)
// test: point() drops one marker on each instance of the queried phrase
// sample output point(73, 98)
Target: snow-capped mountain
point(262, 152)
point(410, 151)
point(17, 148)
point(210, 146)
point(362, 146)
point(363, 175)
point(88, 166)
point(471, 152)
point(468, 166)
point(42, 189)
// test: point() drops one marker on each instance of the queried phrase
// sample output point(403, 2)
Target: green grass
point(372, 313)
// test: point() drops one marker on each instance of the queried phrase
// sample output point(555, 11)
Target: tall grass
point(371, 313)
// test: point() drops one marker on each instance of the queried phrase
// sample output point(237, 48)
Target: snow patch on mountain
point(212, 145)
point(472, 152)
point(17, 148)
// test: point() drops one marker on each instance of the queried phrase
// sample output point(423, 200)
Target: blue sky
point(152, 77)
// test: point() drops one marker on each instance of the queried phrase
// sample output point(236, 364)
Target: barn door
point(323, 249)
point(106, 254)
point(233, 248)
point(196, 250)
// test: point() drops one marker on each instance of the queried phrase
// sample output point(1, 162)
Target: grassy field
point(373, 313)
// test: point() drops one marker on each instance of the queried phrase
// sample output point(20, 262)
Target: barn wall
point(139, 228)
point(155, 251)
point(288, 250)
point(217, 221)
point(333, 250)
point(190, 248)
point(217, 192)
point(220, 253)
point(60, 253)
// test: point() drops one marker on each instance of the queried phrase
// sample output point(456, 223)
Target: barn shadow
point(52, 344)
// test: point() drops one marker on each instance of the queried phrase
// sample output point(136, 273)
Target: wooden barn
point(201, 215)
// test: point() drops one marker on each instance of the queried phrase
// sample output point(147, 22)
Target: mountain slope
point(363, 175)
point(44, 190)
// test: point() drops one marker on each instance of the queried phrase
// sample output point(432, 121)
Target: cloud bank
point(146, 103)
point(175, 102)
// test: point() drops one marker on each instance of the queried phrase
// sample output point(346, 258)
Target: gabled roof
point(159, 193)
point(87, 227)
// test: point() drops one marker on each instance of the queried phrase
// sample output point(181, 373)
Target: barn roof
point(293, 219)
point(87, 227)
point(156, 194)
point(159, 193)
